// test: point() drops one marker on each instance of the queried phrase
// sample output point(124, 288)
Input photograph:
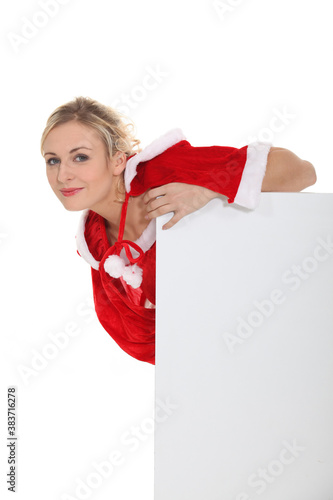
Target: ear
point(118, 163)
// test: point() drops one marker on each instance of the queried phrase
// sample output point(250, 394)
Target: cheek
point(50, 177)
point(100, 178)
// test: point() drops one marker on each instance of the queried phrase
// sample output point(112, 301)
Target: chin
point(74, 207)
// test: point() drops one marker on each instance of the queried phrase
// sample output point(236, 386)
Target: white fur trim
point(248, 194)
point(148, 236)
point(81, 243)
point(145, 242)
point(155, 148)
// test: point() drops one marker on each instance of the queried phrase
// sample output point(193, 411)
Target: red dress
point(123, 275)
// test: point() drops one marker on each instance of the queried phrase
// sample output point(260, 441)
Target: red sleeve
point(236, 173)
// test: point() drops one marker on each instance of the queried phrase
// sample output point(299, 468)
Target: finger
point(176, 218)
point(154, 193)
point(157, 203)
point(165, 209)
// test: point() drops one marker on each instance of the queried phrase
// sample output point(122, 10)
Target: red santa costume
point(123, 275)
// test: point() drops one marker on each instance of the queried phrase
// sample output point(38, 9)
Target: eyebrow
point(71, 151)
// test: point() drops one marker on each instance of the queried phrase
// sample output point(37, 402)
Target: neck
point(111, 212)
point(135, 218)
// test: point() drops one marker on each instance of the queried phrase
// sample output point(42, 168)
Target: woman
point(94, 164)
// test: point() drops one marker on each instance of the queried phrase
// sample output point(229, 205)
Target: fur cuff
point(248, 193)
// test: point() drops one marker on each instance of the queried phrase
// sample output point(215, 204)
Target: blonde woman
point(94, 164)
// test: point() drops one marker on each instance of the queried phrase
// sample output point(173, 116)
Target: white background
point(221, 75)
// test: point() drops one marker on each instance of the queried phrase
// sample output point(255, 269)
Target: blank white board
point(244, 351)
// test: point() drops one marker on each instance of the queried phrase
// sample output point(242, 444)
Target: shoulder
point(157, 147)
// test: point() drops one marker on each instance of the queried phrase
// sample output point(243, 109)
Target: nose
point(65, 173)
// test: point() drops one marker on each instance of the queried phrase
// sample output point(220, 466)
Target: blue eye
point(49, 162)
point(82, 156)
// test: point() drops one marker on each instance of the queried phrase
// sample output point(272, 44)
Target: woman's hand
point(177, 197)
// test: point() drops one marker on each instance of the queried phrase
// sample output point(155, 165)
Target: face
point(78, 169)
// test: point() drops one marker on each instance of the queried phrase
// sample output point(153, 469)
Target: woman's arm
point(285, 172)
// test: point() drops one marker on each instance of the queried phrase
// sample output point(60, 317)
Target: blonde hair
point(109, 123)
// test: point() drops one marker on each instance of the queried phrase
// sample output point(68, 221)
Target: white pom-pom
point(114, 266)
point(133, 276)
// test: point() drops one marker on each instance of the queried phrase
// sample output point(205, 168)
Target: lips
point(70, 191)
